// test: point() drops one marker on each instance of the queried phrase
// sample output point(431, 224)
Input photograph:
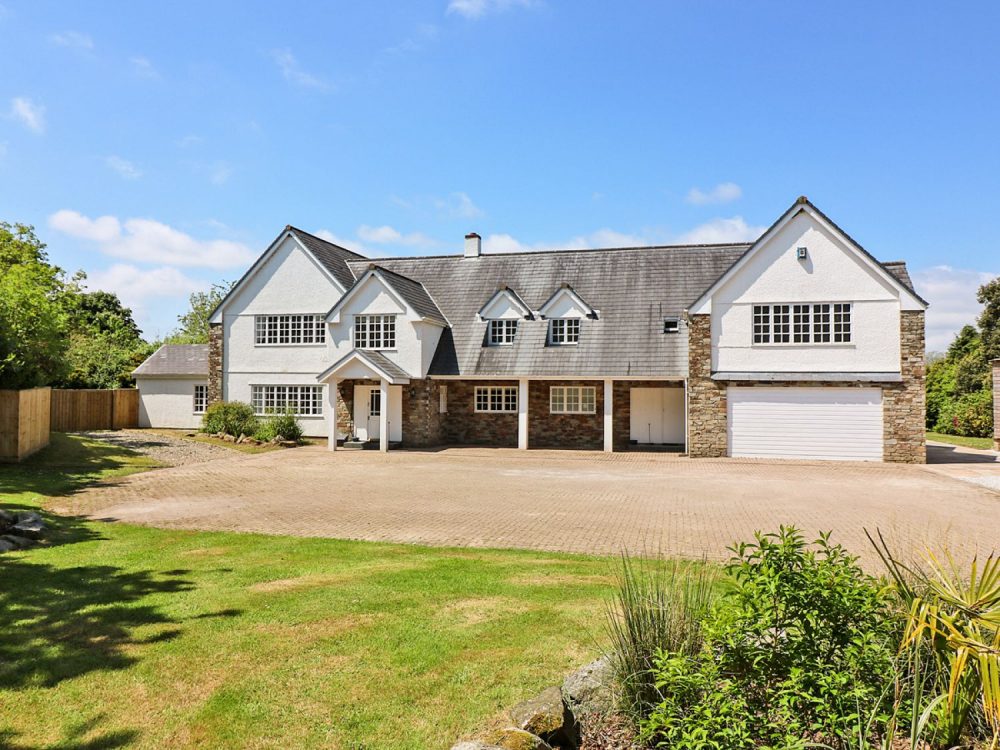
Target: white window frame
point(199, 398)
point(671, 325)
point(564, 331)
point(495, 399)
point(502, 332)
point(268, 398)
point(572, 399)
point(374, 332)
point(289, 330)
point(802, 324)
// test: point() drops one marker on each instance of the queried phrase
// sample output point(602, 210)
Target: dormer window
point(374, 331)
point(564, 331)
point(502, 332)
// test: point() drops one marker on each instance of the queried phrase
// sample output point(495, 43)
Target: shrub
point(801, 648)
point(282, 426)
point(230, 417)
point(971, 415)
point(657, 607)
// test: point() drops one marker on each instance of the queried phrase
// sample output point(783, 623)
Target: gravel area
point(168, 450)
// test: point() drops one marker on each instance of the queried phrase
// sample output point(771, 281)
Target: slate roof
point(386, 365)
point(415, 294)
point(333, 257)
point(898, 269)
point(175, 359)
point(634, 288)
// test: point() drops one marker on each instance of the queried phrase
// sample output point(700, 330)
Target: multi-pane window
point(671, 325)
point(374, 331)
point(374, 403)
point(564, 331)
point(813, 323)
point(496, 398)
point(300, 400)
point(289, 329)
point(502, 332)
point(572, 399)
point(200, 399)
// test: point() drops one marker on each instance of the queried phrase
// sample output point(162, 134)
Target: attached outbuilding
point(173, 386)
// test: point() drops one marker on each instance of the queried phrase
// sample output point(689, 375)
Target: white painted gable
point(504, 305)
point(566, 304)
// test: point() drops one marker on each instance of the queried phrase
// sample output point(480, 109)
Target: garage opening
point(656, 417)
point(839, 424)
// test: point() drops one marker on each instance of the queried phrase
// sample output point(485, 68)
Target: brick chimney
point(473, 245)
point(996, 404)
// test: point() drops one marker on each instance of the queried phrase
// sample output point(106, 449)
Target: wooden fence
point(24, 422)
point(78, 410)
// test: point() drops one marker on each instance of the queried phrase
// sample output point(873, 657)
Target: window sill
point(793, 345)
point(285, 346)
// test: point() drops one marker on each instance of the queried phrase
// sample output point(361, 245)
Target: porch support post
point(522, 414)
point(383, 415)
point(332, 400)
point(609, 421)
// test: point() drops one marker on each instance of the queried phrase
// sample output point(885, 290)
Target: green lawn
point(966, 442)
point(122, 636)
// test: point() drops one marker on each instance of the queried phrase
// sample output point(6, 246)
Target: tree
point(193, 327)
point(32, 318)
point(989, 319)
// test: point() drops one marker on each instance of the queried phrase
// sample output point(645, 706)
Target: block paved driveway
point(562, 501)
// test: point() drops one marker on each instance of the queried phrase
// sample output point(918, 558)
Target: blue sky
point(160, 147)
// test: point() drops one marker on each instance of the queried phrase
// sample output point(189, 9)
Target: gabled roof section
point(565, 290)
point(410, 293)
point(379, 365)
point(511, 296)
point(175, 360)
point(897, 275)
point(333, 259)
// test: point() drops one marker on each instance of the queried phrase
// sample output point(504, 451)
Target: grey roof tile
point(176, 359)
point(333, 257)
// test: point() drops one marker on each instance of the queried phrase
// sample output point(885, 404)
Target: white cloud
point(72, 39)
point(143, 67)
point(294, 74)
point(31, 115)
point(137, 286)
point(721, 231)
point(123, 167)
point(190, 140)
point(350, 244)
point(458, 204)
point(219, 173)
point(424, 33)
point(602, 238)
point(386, 235)
point(148, 241)
point(479, 8)
point(724, 192)
point(952, 296)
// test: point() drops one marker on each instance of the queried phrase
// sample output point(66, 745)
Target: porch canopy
point(361, 364)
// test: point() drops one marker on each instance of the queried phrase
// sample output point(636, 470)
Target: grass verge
point(983, 444)
point(124, 636)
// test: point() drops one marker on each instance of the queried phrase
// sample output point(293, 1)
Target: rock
point(7, 518)
point(544, 715)
point(474, 745)
point(512, 738)
point(288, 443)
point(30, 530)
point(18, 541)
point(29, 516)
point(589, 690)
point(241, 438)
point(6, 546)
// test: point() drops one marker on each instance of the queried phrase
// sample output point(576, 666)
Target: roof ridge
point(707, 245)
point(293, 228)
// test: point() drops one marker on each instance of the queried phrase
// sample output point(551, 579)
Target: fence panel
point(24, 422)
point(76, 410)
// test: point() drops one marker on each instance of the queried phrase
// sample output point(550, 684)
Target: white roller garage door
point(842, 424)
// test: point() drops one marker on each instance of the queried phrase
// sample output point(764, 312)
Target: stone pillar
point(706, 397)
point(609, 415)
point(904, 405)
point(332, 399)
point(383, 415)
point(996, 404)
point(522, 414)
point(215, 363)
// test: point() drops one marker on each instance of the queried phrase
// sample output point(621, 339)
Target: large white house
point(800, 344)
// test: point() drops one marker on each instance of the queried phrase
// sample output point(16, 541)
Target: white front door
point(367, 411)
point(656, 416)
point(806, 422)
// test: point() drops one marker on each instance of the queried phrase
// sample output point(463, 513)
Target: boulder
point(544, 715)
point(28, 529)
point(19, 542)
point(512, 738)
point(29, 516)
point(590, 689)
point(6, 546)
point(7, 518)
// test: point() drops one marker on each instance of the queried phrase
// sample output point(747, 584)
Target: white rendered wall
point(238, 389)
point(831, 273)
point(168, 402)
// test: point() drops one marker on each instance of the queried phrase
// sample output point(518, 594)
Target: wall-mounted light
point(802, 253)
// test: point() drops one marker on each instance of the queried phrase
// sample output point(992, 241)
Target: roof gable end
point(564, 302)
point(505, 303)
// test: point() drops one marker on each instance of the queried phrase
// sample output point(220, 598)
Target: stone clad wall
point(706, 397)
point(996, 404)
point(422, 418)
point(904, 404)
point(546, 430)
point(215, 363)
